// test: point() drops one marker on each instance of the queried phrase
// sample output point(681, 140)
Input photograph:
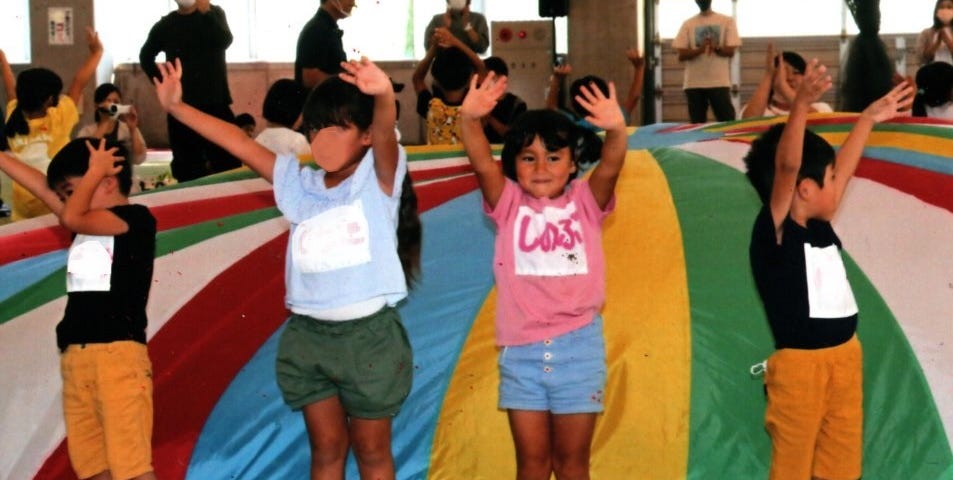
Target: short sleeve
point(732, 39)
point(506, 205)
point(423, 102)
point(286, 180)
point(682, 39)
point(582, 193)
point(764, 240)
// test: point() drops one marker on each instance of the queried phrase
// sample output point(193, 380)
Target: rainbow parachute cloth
point(683, 322)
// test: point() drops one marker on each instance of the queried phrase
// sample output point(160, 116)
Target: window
point(15, 34)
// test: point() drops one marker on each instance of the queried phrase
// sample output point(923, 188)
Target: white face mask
point(945, 15)
point(344, 14)
point(457, 4)
point(185, 3)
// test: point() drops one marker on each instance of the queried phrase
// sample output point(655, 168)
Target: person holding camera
point(117, 123)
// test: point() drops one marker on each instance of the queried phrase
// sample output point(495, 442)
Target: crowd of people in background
point(342, 115)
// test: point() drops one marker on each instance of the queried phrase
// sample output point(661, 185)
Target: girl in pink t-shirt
point(549, 270)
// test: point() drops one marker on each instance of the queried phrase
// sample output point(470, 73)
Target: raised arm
point(790, 151)
point(216, 33)
point(638, 80)
point(224, 134)
point(31, 179)
point(761, 96)
point(604, 113)
point(77, 214)
point(446, 39)
point(86, 71)
point(555, 84)
point(9, 81)
point(895, 103)
point(423, 66)
point(371, 80)
point(478, 103)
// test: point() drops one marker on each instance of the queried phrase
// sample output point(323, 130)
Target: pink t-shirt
point(548, 262)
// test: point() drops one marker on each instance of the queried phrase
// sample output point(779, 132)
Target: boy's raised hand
point(815, 82)
point(366, 76)
point(481, 100)
point(92, 39)
point(603, 111)
point(895, 103)
point(102, 162)
point(169, 85)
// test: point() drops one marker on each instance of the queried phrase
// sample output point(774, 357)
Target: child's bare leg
point(370, 440)
point(532, 436)
point(572, 438)
point(327, 432)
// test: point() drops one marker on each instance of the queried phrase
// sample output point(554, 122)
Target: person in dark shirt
point(107, 375)
point(196, 33)
point(320, 51)
point(814, 379)
point(507, 108)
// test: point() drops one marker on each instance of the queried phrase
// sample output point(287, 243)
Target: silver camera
point(115, 109)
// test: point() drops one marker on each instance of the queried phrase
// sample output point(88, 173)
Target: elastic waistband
point(110, 346)
point(340, 327)
point(851, 344)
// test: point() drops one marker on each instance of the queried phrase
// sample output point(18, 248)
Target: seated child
point(508, 107)
point(281, 110)
point(775, 91)
point(453, 63)
point(934, 84)
point(813, 380)
point(107, 376)
point(247, 123)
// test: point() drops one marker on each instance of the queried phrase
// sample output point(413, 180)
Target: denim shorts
point(565, 374)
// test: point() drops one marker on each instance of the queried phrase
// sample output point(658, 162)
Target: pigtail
point(588, 149)
point(919, 108)
point(409, 232)
point(16, 124)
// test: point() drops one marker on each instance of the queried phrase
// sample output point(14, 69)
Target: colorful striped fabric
point(682, 321)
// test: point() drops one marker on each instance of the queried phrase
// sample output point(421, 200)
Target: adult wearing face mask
point(936, 42)
point(469, 27)
point(320, 51)
point(197, 34)
point(705, 44)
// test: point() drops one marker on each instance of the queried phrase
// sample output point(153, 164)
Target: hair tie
point(921, 91)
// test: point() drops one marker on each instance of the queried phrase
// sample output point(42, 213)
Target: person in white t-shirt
point(705, 43)
point(281, 110)
point(934, 86)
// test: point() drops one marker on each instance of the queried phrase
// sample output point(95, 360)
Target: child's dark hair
point(794, 60)
point(576, 89)
point(452, 69)
point(34, 87)
point(934, 83)
point(244, 120)
point(72, 161)
point(283, 102)
point(816, 155)
point(555, 131)
point(335, 102)
point(496, 65)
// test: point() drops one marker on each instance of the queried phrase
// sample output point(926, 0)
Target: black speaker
point(553, 8)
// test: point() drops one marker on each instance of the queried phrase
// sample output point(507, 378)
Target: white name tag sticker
point(335, 239)
point(549, 243)
point(89, 265)
point(828, 292)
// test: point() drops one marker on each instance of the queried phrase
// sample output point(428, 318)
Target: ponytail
point(16, 124)
point(409, 232)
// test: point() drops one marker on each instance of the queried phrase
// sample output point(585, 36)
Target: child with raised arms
point(814, 379)
point(549, 270)
point(344, 358)
point(107, 375)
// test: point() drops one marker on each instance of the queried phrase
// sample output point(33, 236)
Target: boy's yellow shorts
point(815, 412)
point(107, 405)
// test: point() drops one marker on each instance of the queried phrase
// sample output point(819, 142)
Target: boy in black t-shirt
point(814, 379)
point(107, 375)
